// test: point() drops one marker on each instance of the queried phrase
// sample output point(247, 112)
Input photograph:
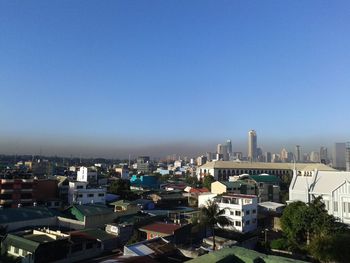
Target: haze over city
point(115, 78)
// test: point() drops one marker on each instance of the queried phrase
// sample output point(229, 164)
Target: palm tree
point(212, 216)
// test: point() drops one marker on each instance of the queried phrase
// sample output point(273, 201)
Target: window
point(238, 223)
point(101, 195)
point(247, 222)
point(238, 213)
point(80, 195)
point(344, 207)
point(57, 203)
point(348, 207)
point(16, 250)
point(261, 185)
point(254, 221)
point(24, 253)
point(90, 195)
point(335, 206)
point(232, 213)
point(254, 211)
point(247, 212)
point(79, 187)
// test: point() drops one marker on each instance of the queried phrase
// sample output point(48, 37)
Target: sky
point(110, 78)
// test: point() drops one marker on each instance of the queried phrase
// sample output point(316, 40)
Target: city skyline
point(118, 77)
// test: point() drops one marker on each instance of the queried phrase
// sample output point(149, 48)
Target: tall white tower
point(252, 146)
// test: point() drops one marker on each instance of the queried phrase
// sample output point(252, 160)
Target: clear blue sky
point(126, 73)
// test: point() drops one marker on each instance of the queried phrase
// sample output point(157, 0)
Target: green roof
point(121, 203)
point(20, 242)
point(265, 178)
point(10, 215)
point(91, 209)
point(239, 254)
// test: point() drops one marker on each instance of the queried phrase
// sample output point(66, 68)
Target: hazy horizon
point(113, 78)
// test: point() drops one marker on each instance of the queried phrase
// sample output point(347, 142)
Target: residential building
point(333, 186)
point(144, 164)
point(161, 229)
point(143, 182)
point(17, 192)
point(236, 187)
point(87, 174)
point(82, 193)
point(268, 187)
point(19, 218)
point(201, 160)
point(123, 172)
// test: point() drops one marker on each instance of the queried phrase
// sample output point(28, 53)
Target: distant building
point(229, 147)
point(252, 146)
point(123, 172)
point(298, 154)
point(17, 192)
point(339, 151)
point(144, 164)
point(81, 193)
point(324, 155)
point(87, 174)
point(267, 157)
point(222, 170)
point(201, 160)
point(237, 187)
point(315, 157)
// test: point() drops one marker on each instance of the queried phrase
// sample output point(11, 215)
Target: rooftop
point(260, 165)
point(239, 196)
point(93, 209)
point(160, 227)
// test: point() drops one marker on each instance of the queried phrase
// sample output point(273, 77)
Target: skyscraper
point(339, 155)
point(323, 155)
point(229, 147)
point(297, 153)
point(252, 145)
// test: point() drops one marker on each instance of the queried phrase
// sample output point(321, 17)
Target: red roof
point(199, 190)
point(162, 228)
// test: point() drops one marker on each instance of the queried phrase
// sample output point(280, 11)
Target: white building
point(86, 174)
point(80, 193)
point(124, 172)
point(241, 209)
point(333, 186)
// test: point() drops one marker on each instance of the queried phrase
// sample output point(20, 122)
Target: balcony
point(6, 191)
point(5, 201)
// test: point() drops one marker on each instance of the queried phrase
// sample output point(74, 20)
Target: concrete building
point(333, 186)
point(240, 209)
point(324, 155)
point(16, 192)
point(315, 157)
point(267, 157)
point(81, 193)
point(339, 151)
point(298, 154)
point(252, 146)
point(222, 170)
point(347, 156)
point(201, 160)
point(144, 164)
point(237, 187)
point(87, 174)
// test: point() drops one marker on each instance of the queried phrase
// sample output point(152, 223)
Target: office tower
point(347, 156)
point(209, 156)
point(323, 155)
point(297, 153)
point(252, 146)
point(284, 155)
point(315, 157)
point(267, 157)
point(339, 155)
point(222, 153)
point(229, 147)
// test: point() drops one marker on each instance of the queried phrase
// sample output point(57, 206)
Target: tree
point(207, 180)
point(308, 227)
point(212, 216)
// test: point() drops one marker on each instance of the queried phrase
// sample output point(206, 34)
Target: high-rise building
point(315, 157)
point(229, 147)
point(339, 156)
point(347, 156)
point(222, 152)
point(284, 155)
point(297, 153)
point(252, 146)
point(323, 155)
point(267, 157)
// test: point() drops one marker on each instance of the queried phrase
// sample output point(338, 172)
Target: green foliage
point(280, 243)
point(207, 180)
point(310, 227)
point(192, 181)
point(118, 186)
point(212, 215)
